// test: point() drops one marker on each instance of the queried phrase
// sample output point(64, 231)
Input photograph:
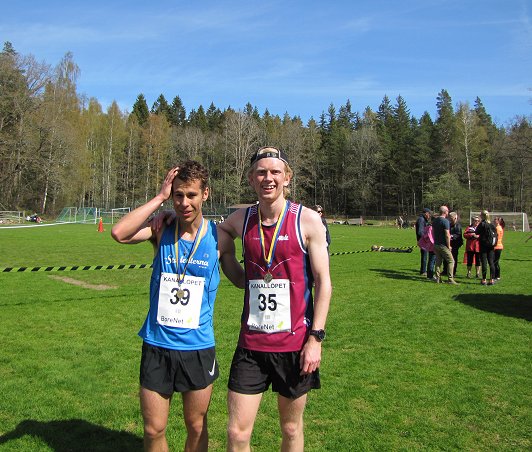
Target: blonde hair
point(453, 215)
point(270, 151)
point(485, 215)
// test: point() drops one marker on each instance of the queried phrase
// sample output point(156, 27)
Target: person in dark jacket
point(456, 238)
point(421, 222)
point(487, 254)
point(441, 229)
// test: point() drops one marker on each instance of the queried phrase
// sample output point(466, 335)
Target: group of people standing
point(285, 303)
point(440, 237)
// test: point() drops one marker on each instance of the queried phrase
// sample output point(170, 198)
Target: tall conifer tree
point(140, 110)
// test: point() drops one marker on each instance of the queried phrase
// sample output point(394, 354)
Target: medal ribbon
point(269, 259)
point(195, 246)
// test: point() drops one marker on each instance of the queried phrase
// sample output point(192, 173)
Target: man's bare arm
point(234, 224)
point(134, 227)
point(319, 260)
point(230, 265)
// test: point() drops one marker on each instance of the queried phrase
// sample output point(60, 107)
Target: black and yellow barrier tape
point(377, 248)
point(72, 268)
point(407, 249)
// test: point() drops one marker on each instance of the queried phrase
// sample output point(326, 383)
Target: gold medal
point(268, 278)
point(180, 293)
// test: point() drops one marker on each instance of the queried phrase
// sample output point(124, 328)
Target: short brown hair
point(192, 170)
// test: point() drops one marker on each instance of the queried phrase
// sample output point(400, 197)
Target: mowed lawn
point(407, 364)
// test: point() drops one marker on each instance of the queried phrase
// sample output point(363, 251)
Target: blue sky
point(287, 56)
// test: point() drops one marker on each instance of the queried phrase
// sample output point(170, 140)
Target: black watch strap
point(318, 334)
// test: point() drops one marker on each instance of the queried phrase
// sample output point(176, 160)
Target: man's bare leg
point(155, 408)
point(291, 420)
point(195, 407)
point(243, 410)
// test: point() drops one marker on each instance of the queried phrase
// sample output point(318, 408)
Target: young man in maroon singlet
point(283, 325)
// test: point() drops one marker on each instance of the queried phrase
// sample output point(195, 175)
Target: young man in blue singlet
point(282, 326)
point(178, 353)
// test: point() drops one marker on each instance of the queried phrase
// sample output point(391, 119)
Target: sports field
point(407, 364)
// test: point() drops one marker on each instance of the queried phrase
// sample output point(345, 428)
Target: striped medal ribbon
point(195, 245)
point(271, 253)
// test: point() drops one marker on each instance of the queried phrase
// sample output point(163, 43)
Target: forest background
point(59, 148)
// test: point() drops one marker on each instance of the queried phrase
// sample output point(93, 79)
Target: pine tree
point(161, 107)
point(198, 119)
point(402, 151)
point(140, 110)
point(423, 153)
point(346, 117)
point(178, 114)
point(445, 134)
point(386, 177)
point(214, 118)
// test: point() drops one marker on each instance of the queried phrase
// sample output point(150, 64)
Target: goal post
point(67, 215)
point(91, 215)
point(118, 213)
point(88, 215)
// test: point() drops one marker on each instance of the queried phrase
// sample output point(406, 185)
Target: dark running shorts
point(252, 372)
point(167, 371)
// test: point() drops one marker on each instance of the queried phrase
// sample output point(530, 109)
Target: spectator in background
point(499, 224)
point(456, 238)
point(426, 243)
point(486, 249)
point(421, 222)
point(441, 230)
point(472, 247)
point(400, 222)
point(319, 209)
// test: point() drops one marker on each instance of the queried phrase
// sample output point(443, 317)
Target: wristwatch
point(318, 334)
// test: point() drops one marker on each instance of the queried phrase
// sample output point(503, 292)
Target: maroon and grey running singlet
point(278, 307)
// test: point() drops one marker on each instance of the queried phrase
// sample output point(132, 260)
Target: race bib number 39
point(269, 305)
point(180, 306)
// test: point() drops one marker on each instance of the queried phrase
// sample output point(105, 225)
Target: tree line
point(59, 148)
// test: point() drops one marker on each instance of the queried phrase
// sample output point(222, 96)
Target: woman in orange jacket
point(499, 225)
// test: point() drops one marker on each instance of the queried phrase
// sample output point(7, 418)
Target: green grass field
point(407, 364)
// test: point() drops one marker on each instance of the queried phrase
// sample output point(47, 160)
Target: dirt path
point(83, 284)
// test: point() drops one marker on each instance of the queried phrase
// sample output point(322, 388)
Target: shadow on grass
point(408, 274)
point(75, 435)
point(518, 306)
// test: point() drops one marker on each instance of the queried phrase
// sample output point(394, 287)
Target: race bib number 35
point(269, 305)
point(180, 306)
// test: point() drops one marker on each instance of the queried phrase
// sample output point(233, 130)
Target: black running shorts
point(167, 371)
point(252, 372)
